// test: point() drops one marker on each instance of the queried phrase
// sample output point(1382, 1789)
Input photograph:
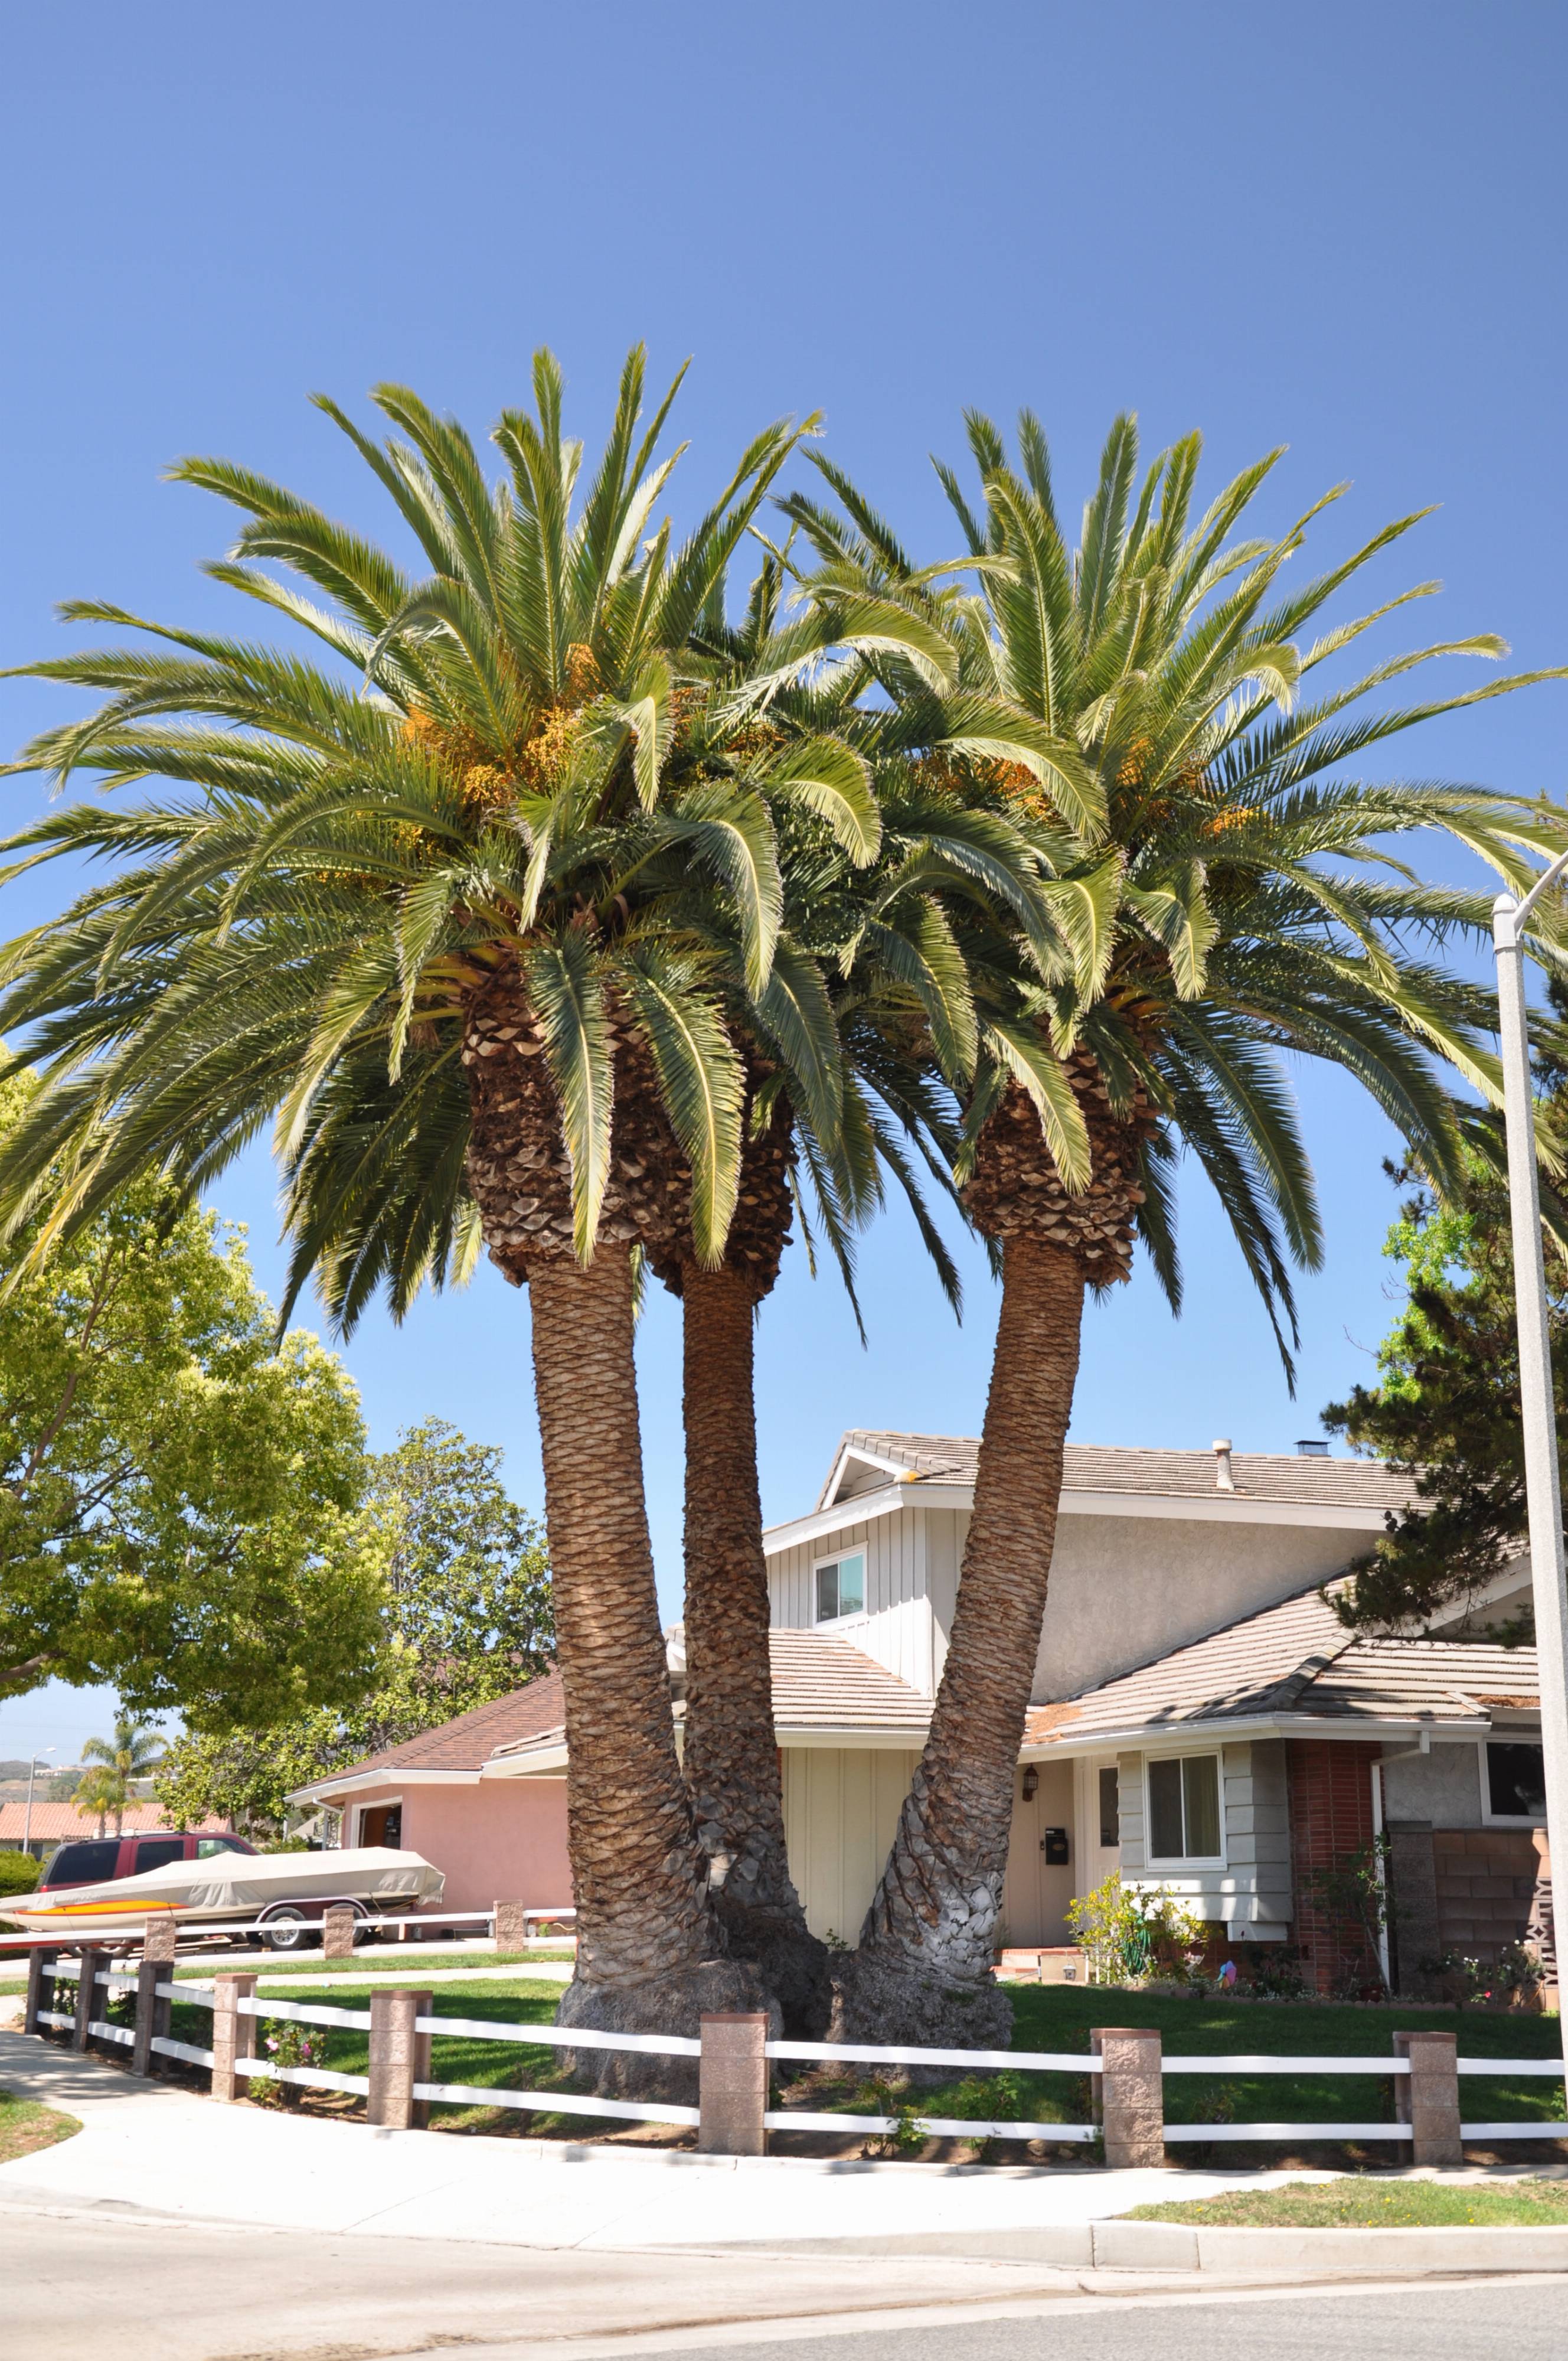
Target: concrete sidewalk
point(150, 2146)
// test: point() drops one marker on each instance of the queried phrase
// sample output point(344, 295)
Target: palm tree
point(119, 1763)
point(1218, 891)
point(487, 904)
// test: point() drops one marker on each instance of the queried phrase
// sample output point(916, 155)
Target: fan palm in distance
point(1221, 891)
point(495, 872)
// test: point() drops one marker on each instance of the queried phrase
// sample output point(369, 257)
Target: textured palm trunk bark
point(730, 1755)
point(923, 1971)
point(650, 1956)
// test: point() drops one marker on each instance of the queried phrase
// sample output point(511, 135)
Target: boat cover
point(235, 1885)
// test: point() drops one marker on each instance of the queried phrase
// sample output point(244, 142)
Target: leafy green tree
point(1445, 1410)
point(181, 1496)
point(114, 1765)
point(468, 1616)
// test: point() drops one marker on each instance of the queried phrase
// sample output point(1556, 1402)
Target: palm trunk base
point(675, 2003)
point(896, 2001)
point(796, 1968)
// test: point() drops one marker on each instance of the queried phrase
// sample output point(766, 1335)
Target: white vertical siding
point(841, 1807)
point(894, 1631)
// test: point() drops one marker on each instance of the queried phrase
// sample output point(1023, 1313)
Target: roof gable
point(1286, 1477)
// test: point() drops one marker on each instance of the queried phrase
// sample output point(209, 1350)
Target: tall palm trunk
point(651, 1954)
point(639, 1878)
point(731, 1756)
point(922, 1970)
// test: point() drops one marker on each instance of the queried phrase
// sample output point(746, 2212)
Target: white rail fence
point(1125, 2072)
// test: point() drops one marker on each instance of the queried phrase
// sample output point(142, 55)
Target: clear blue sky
point(1338, 228)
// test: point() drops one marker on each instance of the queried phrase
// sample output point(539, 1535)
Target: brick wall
point(1331, 1817)
point(1486, 1889)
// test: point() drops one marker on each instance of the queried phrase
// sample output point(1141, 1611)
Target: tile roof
point(57, 1823)
point(1109, 1468)
point(1297, 1658)
point(820, 1681)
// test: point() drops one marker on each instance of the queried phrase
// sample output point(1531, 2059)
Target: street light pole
point(27, 1818)
point(1542, 1487)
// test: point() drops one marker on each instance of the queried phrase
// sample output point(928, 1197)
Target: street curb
point(1168, 2246)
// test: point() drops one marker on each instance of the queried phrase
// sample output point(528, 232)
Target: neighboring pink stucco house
point(497, 1838)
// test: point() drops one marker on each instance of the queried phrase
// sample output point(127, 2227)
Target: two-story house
point(1200, 1720)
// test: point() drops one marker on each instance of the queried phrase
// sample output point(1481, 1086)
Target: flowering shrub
point(291, 2045)
point(1129, 1934)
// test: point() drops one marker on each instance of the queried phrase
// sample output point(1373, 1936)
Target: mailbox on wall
point(1053, 1844)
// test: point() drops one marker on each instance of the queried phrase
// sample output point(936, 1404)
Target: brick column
point(511, 1927)
point(337, 1931)
point(86, 1997)
point(234, 2037)
point(40, 1989)
point(732, 2084)
point(1428, 2097)
point(1329, 1782)
point(152, 2014)
point(1129, 2094)
point(399, 2057)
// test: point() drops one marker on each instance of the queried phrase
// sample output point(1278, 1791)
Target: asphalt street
point(76, 2284)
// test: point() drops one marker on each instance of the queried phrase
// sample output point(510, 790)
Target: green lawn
point(1370, 2204)
point(25, 2127)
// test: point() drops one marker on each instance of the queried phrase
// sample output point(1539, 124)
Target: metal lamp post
point(1542, 1489)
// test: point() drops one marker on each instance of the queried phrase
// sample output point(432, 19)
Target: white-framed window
point(1513, 1781)
point(840, 1585)
point(1185, 1813)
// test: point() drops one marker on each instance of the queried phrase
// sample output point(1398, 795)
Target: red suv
point(98, 1859)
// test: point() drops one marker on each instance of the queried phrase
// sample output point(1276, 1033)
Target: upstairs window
point(1184, 1808)
point(1516, 1783)
point(841, 1587)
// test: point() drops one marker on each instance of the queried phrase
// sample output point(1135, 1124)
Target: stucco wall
point(841, 1807)
point(1443, 1788)
point(496, 1839)
point(1034, 1899)
point(1127, 1589)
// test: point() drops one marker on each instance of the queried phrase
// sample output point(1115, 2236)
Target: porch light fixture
point(1031, 1783)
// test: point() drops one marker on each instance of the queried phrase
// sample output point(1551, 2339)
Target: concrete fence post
point(233, 2035)
point(337, 1931)
point(1428, 2097)
point(40, 1989)
point(399, 2057)
point(1130, 2094)
point(732, 2084)
point(511, 1927)
point(86, 1997)
point(152, 2015)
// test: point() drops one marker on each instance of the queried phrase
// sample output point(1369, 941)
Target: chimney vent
point(1223, 1479)
point(1309, 1447)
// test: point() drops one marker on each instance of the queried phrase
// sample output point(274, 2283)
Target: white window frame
point(837, 1557)
point(1182, 1861)
point(1489, 1819)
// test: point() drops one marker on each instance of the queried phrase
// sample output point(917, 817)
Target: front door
point(1040, 1883)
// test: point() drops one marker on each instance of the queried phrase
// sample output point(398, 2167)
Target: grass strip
point(24, 2126)
point(1360, 2202)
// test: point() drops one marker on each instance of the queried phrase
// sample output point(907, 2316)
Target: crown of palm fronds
point(1211, 887)
point(551, 749)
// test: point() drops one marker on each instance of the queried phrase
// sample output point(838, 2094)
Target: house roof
point(1106, 1468)
point(59, 1823)
point(1298, 1659)
point(468, 1744)
point(820, 1682)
